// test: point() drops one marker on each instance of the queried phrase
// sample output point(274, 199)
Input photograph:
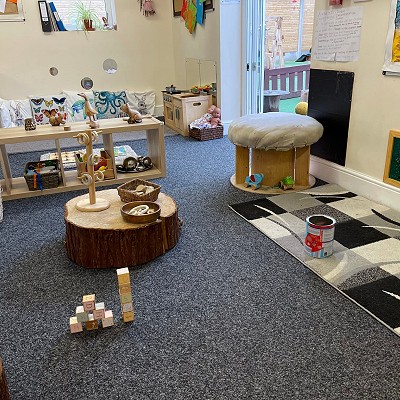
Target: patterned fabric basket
point(207, 133)
point(127, 194)
point(48, 180)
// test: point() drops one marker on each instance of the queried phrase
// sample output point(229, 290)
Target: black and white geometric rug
point(365, 264)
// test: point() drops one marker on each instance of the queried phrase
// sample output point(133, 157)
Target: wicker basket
point(127, 194)
point(207, 133)
point(43, 181)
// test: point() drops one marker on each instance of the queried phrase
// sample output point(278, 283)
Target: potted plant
point(85, 17)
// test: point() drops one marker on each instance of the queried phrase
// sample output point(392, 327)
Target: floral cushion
point(144, 102)
point(107, 104)
point(43, 107)
point(76, 104)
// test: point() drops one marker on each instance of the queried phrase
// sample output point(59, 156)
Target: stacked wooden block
point(125, 294)
point(90, 313)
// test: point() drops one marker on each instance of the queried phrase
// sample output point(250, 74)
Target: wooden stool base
point(85, 206)
point(269, 190)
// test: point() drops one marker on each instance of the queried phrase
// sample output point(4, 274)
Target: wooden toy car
point(254, 181)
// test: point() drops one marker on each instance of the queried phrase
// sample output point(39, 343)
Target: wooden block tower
point(125, 294)
point(90, 313)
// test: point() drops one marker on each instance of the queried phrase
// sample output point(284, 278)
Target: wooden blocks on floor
point(125, 294)
point(89, 314)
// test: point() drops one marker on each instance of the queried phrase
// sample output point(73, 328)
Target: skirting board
point(356, 182)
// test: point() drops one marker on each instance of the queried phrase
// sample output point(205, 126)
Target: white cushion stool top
point(275, 130)
point(280, 144)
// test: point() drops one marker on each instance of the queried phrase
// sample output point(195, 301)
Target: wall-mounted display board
point(11, 11)
point(392, 166)
point(329, 102)
point(392, 50)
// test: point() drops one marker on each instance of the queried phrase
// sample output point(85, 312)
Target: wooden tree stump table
point(4, 393)
point(104, 240)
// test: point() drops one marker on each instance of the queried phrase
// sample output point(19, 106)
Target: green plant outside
point(81, 12)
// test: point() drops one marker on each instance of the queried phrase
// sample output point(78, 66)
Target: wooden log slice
point(104, 240)
point(4, 393)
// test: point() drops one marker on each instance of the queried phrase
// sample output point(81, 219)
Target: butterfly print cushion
point(44, 107)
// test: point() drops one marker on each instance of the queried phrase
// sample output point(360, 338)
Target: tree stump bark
point(4, 393)
point(104, 240)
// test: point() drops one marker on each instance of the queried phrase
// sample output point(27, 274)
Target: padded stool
point(280, 144)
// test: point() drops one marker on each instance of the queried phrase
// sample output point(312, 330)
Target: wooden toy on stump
point(88, 178)
point(89, 314)
point(125, 294)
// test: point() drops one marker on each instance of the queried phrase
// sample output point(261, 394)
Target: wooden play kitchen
point(16, 187)
point(105, 240)
point(182, 109)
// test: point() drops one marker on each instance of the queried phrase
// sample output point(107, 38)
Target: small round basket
point(140, 219)
point(127, 191)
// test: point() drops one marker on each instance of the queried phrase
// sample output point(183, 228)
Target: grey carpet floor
point(226, 314)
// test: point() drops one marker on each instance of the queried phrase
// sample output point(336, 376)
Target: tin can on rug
point(320, 231)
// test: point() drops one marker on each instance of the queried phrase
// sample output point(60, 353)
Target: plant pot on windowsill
point(88, 25)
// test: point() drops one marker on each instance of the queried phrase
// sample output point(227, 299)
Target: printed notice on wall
point(337, 34)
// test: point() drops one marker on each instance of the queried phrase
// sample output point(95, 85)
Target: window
point(104, 11)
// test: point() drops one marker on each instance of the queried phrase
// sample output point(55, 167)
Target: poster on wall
point(11, 10)
point(392, 50)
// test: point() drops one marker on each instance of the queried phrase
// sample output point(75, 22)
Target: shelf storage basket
point(127, 191)
point(47, 180)
point(207, 133)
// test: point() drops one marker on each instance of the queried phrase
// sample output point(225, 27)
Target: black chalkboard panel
point(329, 102)
point(392, 166)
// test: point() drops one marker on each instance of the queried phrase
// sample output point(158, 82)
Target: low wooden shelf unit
point(16, 187)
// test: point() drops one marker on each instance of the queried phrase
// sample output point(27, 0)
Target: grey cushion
point(275, 130)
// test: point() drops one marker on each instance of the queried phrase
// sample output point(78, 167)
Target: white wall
point(375, 105)
point(202, 44)
point(142, 47)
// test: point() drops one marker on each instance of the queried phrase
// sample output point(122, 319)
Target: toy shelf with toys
point(16, 187)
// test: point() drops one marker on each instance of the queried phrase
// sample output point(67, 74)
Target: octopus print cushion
point(44, 107)
point(108, 104)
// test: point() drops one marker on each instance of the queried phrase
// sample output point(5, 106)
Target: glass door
point(254, 15)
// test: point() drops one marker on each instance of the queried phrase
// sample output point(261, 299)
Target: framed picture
point(391, 63)
point(392, 166)
point(177, 6)
point(11, 11)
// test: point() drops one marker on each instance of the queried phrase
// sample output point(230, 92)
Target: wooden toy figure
point(287, 183)
point(254, 181)
point(88, 178)
point(134, 115)
point(90, 112)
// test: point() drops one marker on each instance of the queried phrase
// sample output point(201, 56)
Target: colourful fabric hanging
point(184, 9)
point(191, 16)
point(200, 11)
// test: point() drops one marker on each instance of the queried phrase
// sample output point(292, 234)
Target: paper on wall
point(2, 6)
point(337, 34)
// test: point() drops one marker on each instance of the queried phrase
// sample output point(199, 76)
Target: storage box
point(207, 133)
point(81, 166)
point(41, 181)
